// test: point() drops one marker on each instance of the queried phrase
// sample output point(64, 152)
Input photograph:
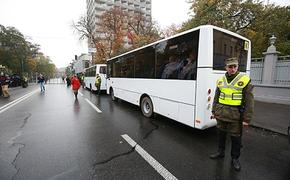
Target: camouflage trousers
point(232, 128)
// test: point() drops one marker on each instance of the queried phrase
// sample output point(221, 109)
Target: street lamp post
point(22, 67)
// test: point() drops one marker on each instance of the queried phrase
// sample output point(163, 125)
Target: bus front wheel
point(147, 107)
point(91, 89)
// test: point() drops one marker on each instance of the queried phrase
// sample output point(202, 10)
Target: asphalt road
point(51, 136)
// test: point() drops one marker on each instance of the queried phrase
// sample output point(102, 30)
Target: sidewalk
point(271, 116)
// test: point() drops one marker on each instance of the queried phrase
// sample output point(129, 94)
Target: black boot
point(236, 164)
point(219, 154)
point(221, 149)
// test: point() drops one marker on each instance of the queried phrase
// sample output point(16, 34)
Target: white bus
point(90, 76)
point(161, 77)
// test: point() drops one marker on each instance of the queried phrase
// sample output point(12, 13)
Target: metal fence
point(257, 65)
point(282, 75)
point(282, 72)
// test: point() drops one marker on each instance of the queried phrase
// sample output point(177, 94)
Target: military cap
point(231, 61)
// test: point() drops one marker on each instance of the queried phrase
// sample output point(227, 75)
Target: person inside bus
point(188, 67)
point(171, 68)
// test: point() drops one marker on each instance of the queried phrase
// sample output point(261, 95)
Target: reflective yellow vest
point(98, 80)
point(232, 93)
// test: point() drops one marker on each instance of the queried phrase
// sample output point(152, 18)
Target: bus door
point(102, 72)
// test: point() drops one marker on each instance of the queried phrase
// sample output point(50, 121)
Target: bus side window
point(188, 55)
point(145, 63)
point(109, 69)
point(177, 57)
point(160, 58)
point(128, 67)
point(102, 70)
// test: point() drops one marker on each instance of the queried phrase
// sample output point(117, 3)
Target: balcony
point(148, 2)
point(130, 3)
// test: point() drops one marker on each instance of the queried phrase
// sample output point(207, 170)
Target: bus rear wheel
point(147, 107)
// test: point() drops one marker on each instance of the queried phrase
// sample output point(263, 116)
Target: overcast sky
point(48, 22)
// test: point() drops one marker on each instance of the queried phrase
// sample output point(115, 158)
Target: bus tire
point(147, 107)
point(112, 95)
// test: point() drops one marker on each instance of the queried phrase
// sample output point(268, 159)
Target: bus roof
point(182, 33)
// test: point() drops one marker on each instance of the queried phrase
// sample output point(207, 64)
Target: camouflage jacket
point(233, 113)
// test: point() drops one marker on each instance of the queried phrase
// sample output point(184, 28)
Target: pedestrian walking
point(75, 82)
point(232, 108)
point(1, 79)
point(24, 81)
point(68, 81)
point(98, 83)
point(41, 81)
point(4, 82)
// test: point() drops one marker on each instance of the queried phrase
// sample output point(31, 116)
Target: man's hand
point(245, 124)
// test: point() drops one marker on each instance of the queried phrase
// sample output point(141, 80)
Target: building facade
point(82, 62)
point(95, 8)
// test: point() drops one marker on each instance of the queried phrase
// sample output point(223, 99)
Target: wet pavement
point(51, 136)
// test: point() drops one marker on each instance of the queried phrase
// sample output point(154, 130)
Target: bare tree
point(171, 30)
point(113, 25)
point(86, 31)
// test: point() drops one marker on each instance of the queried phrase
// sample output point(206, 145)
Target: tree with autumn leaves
point(116, 30)
point(20, 56)
point(250, 18)
point(108, 38)
point(140, 31)
point(112, 28)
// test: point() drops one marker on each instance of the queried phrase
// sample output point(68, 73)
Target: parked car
point(15, 80)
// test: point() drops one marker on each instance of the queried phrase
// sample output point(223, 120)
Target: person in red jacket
point(75, 82)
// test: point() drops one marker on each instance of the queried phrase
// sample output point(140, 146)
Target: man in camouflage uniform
point(232, 108)
point(98, 83)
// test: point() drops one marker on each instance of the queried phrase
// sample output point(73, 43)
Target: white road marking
point(154, 163)
point(13, 103)
point(81, 94)
point(8, 104)
point(93, 106)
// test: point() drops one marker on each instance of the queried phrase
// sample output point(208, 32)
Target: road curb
point(268, 129)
